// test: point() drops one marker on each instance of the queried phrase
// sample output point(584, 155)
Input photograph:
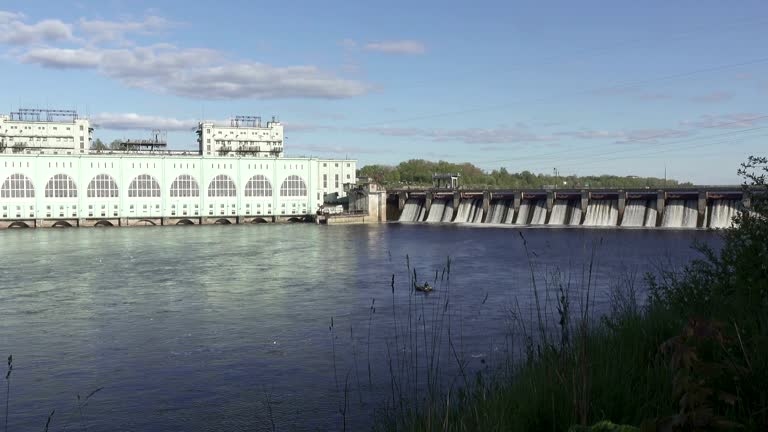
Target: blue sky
point(585, 87)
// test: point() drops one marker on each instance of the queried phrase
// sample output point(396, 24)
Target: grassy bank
point(694, 357)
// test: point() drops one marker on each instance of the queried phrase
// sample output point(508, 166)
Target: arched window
point(17, 186)
point(185, 186)
point(61, 186)
point(222, 186)
point(293, 186)
point(144, 186)
point(102, 186)
point(258, 186)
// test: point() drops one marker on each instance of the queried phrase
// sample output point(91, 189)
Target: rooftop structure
point(245, 136)
point(46, 131)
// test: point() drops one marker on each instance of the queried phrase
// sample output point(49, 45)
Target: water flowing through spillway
point(497, 212)
point(412, 210)
point(478, 205)
point(559, 213)
point(436, 210)
point(539, 213)
point(524, 213)
point(651, 214)
point(680, 214)
point(510, 217)
point(468, 210)
point(634, 213)
point(722, 213)
point(576, 213)
point(602, 213)
point(422, 213)
point(448, 212)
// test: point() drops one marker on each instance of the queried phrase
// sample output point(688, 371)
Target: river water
point(229, 327)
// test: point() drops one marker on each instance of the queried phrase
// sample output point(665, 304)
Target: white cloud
point(718, 96)
point(133, 121)
point(107, 31)
point(13, 31)
point(397, 47)
point(623, 136)
point(199, 73)
point(500, 135)
point(727, 121)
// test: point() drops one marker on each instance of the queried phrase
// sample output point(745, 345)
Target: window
point(337, 181)
point(293, 186)
point(258, 186)
point(325, 181)
point(144, 186)
point(222, 186)
point(185, 186)
point(102, 186)
point(17, 186)
point(61, 186)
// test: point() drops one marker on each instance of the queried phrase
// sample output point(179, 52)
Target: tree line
point(418, 172)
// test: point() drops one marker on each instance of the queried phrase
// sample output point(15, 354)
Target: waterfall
point(651, 214)
point(602, 213)
point(496, 212)
point(436, 210)
point(448, 212)
point(680, 214)
point(559, 213)
point(412, 210)
point(575, 213)
point(722, 213)
point(463, 214)
point(539, 213)
point(478, 205)
point(634, 213)
point(422, 213)
point(523, 213)
point(510, 217)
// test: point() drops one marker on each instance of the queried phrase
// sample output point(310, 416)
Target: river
point(210, 328)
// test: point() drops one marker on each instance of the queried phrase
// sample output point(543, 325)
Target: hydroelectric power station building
point(51, 176)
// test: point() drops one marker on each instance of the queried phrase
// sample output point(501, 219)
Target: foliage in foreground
point(695, 358)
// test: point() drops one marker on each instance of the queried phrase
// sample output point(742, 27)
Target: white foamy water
point(602, 213)
point(523, 213)
point(680, 214)
point(448, 211)
point(651, 214)
point(634, 213)
point(497, 212)
point(559, 212)
point(722, 213)
point(539, 213)
point(412, 210)
point(436, 210)
point(478, 204)
point(576, 213)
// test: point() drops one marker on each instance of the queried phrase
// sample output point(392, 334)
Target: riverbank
point(694, 356)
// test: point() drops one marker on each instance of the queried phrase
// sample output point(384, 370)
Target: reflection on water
point(196, 328)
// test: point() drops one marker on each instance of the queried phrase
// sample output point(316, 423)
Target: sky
point(586, 88)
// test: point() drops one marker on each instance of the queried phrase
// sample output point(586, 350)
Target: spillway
point(497, 212)
point(412, 210)
point(539, 216)
point(436, 210)
point(576, 213)
point(680, 214)
point(651, 214)
point(510, 216)
point(448, 212)
point(722, 213)
point(634, 213)
point(559, 213)
point(602, 213)
point(469, 211)
point(524, 213)
point(478, 204)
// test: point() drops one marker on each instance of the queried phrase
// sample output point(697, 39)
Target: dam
point(682, 208)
